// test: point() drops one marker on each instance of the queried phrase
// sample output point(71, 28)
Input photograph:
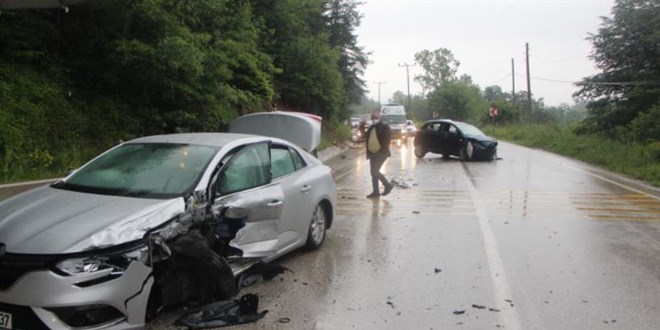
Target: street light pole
point(379, 83)
point(407, 79)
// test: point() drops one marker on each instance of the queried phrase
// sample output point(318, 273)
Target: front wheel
point(317, 228)
point(419, 151)
point(466, 151)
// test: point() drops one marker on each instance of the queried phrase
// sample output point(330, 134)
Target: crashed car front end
point(483, 149)
point(91, 290)
point(120, 287)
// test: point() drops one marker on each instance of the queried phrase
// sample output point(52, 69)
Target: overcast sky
point(483, 36)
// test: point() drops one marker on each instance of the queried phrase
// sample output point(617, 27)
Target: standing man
point(378, 149)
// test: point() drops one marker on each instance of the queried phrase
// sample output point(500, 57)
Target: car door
point(438, 138)
point(293, 176)
point(244, 191)
point(453, 140)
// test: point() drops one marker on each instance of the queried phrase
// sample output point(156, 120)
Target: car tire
point(317, 228)
point(419, 151)
point(463, 154)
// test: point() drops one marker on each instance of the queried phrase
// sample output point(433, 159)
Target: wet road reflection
point(534, 205)
point(532, 241)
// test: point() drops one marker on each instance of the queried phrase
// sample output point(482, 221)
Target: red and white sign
point(492, 112)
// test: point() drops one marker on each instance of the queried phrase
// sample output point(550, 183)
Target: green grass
point(640, 161)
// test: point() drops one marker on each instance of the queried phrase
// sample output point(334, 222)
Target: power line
point(620, 83)
point(604, 83)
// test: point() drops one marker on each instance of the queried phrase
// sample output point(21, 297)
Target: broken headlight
point(113, 263)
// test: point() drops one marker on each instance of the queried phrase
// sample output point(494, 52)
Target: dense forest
point(77, 80)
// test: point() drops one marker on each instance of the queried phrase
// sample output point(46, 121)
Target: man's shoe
point(373, 195)
point(388, 188)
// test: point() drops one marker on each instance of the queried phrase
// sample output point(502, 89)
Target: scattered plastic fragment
point(437, 270)
point(461, 312)
point(478, 306)
point(284, 320)
point(223, 313)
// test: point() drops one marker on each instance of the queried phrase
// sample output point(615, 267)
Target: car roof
point(441, 121)
point(207, 139)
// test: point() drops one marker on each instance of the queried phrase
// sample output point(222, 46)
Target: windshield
point(143, 170)
point(468, 129)
point(393, 119)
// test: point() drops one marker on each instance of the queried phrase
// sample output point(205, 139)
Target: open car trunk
point(307, 134)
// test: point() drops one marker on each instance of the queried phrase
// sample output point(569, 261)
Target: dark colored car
point(454, 138)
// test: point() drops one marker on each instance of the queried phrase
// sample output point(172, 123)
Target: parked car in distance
point(162, 220)
point(355, 122)
point(410, 127)
point(454, 138)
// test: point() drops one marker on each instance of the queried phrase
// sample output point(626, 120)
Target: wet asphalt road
point(531, 241)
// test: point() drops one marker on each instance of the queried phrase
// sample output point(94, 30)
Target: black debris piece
point(461, 312)
point(493, 309)
point(478, 306)
point(194, 274)
point(223, 313)
point(437, 270)
point(398, 184)
point(415, 212)
point(391, 304)
point(260, 272)
point(284, 320)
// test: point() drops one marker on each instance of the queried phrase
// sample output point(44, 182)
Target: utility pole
point(379, 83)
point(529, 86)
point(407, 79)
point(513, 83)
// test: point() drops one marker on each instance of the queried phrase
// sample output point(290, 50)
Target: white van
point(394, 115)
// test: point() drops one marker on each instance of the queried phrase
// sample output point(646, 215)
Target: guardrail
point(8, 190)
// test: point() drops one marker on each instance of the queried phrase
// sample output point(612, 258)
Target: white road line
point(509, 316)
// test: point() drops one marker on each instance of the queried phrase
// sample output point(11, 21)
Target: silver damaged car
point(162, 220)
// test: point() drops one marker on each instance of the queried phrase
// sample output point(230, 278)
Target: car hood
point(47, 220)
point(480, 138)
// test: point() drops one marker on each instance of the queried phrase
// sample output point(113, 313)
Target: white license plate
point(5, 320)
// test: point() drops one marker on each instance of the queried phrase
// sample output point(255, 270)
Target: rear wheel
point(317, 227)
point(419, 151)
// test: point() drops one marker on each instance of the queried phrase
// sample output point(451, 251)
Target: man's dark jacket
point(384, 137)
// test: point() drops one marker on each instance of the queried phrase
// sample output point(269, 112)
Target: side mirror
point(70, 171)
point(212, 189)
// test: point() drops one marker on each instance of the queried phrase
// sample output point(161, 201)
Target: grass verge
point(640, 161)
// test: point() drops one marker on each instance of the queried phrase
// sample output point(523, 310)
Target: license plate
point(5, 320)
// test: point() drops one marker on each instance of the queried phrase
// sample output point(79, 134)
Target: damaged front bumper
point(44, 299)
